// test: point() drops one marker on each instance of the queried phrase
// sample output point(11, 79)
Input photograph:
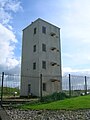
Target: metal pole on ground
point(85, 85)
point(69, 86)
point(40, 87)
point(2, 89)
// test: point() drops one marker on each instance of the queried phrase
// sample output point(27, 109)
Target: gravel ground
point(16, 114)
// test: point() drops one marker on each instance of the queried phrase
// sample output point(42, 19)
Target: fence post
point(85, 85)
point(69, 85)
point(40, 87)
point(2, 89)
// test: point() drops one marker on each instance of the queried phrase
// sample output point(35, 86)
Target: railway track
point(9, 102)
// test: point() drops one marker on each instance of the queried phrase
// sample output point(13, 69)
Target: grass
point(82, 102)
point(7, 91)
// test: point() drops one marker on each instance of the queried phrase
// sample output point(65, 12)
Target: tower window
point(35, 30)
point(44, 86)
point(44, 64)
point(43, 29)
point(34, 65)
point(44, 47)
point(34, 48)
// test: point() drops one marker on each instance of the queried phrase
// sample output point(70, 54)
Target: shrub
point(54, 97)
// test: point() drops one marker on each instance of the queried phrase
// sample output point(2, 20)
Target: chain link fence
point(72, 85)
point(9, 86)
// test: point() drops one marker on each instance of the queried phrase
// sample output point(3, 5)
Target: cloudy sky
point(72, 16)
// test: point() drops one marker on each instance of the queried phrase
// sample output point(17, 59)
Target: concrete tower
point(41, 54)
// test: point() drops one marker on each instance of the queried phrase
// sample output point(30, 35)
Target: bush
point(54, 97)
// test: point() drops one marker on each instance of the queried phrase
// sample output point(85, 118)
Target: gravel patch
point(16, 114)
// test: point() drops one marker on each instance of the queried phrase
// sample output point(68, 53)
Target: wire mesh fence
point(72, 85)
point(10, 85)
point(76, 85)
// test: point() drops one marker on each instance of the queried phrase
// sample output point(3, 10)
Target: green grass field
point(82, 102)
point(7, 91)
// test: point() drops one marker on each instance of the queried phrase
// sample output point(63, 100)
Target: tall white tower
point(41, 54)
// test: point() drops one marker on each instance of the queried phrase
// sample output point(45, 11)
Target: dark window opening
point(35, 30)
point(44, 47)
point(34, 66)
point(29, 89)
point(43, 29)
point(44, 86)
point(44, 64)
point(34, 48)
